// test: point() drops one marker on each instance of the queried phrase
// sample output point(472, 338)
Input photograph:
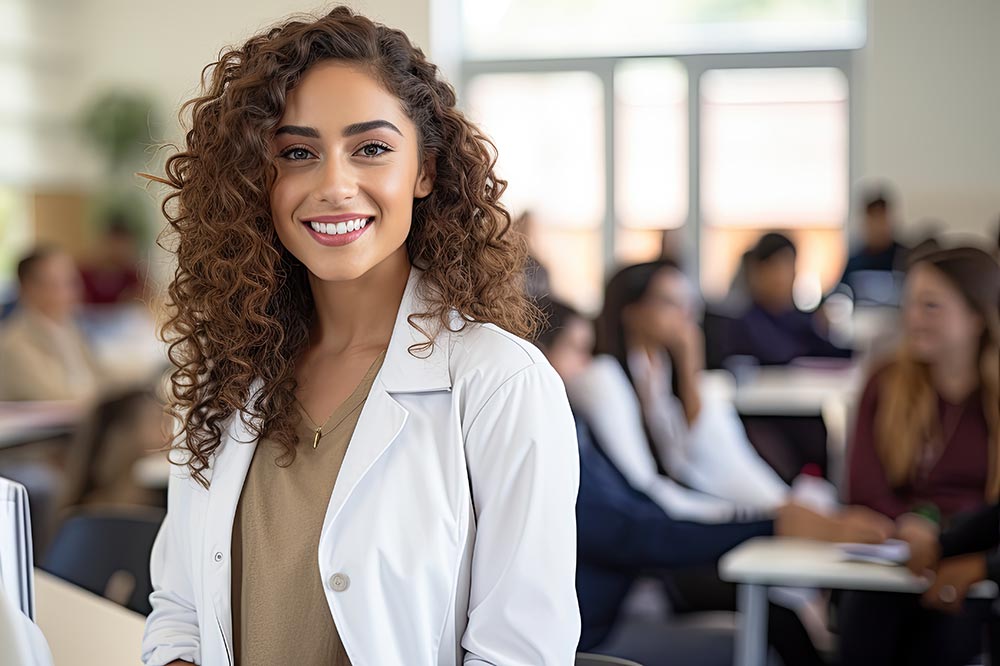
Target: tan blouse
point(280, 613)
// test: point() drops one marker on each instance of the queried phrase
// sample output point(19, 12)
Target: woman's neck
point(359, 312)
point(956, 377)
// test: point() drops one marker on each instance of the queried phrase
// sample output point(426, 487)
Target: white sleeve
point(524, 469)
point(607, 400)
point(172, 626)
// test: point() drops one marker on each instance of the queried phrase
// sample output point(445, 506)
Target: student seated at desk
point(928, 433)
point(623, 533)
point(773, 330)
point(120, 431)
point(880, 251)
point(645, 388)
point(43, 354)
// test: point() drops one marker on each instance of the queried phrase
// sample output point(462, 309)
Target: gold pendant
point(316, 436)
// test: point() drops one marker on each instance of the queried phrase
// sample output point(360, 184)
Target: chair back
point(106, 551)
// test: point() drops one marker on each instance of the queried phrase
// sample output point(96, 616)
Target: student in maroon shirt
point(927, 439)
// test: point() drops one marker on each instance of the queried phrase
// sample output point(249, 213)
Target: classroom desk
point(25, 422)
point(795, 390)
point(766, 562)
point(83, 629)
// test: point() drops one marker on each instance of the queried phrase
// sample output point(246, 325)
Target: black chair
point(106, 551)
point(583, 659)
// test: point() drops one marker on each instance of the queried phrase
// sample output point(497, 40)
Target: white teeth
point(339, 227)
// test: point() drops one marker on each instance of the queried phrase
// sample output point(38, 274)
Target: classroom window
point(774, 157)
point(498, 29)
point(549, 133)
point(651, 155)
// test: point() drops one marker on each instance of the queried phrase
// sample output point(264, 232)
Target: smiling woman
point(365, 447)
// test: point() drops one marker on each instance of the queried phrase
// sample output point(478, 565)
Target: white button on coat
point(339, 582)
point(470, 450)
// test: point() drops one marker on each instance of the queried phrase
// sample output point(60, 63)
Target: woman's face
point(664, 311)
point(348, 169)
point(938, 320)
point(571, 351)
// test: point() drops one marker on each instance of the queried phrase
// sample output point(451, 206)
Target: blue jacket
point(621, 532)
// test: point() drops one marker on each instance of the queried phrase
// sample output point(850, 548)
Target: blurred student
point(927, 440)
point(879, 250)
point(772, 330)
point(43, 354)
point(113, 276)
point(623, 533)
point(646, 386)
point(119, 432)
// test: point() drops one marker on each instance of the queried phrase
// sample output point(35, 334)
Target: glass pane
point(549, 133)
point(774, 147)
point(651, 144)
point(774, 155)
point(561, 28)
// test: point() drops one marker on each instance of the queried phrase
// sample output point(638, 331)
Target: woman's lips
point(334, 231)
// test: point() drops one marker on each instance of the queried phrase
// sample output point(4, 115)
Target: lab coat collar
point(424, 369)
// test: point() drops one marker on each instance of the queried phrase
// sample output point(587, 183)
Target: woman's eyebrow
point(350, 130)
point(297, 130)
point(368, 125)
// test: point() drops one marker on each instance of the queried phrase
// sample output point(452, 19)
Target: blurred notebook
point(16, 566)
point(892, 552)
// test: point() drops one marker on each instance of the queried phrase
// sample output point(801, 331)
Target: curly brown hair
point(240, 304)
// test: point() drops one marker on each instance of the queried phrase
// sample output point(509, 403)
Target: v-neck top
point(280, 612)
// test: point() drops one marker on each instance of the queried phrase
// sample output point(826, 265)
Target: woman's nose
point(337, 182)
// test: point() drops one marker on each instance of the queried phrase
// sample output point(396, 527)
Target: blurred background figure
point(927, 440)
point(624, 535)
point(772, 330)
point(113, 276)
point(879, 250)
point(535, 274)
point(43, 354)
point(120, 431)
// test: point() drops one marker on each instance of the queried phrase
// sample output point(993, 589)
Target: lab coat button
point(218, 556)
point(339, 582)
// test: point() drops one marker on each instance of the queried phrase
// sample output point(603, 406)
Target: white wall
point(163, 47)
point(929, 103)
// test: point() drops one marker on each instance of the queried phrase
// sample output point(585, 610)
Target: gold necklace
point(318, 433)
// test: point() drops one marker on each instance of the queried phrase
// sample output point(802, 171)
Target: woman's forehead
point(332, 95)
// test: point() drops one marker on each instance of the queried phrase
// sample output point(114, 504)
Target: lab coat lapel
point(383, 418)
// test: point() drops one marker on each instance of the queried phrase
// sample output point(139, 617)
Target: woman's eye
point(373, 149)
point(296, 154)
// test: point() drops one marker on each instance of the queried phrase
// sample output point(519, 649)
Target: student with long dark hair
point(623, 534)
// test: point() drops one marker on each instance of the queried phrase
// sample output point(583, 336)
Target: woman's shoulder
point(491, 354)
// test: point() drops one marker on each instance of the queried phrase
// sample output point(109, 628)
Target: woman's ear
point(425, 179)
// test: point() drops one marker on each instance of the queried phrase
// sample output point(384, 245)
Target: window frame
point(695, 65)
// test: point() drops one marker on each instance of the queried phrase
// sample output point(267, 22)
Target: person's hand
point(686, 343)
point(854, 524)
point(922, 536)
point(955, 576)
point(859, 524)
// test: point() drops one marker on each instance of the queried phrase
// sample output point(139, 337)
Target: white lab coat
point(450, 536)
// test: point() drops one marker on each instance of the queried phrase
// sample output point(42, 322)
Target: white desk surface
point(788, 562)
point(22, 422)
point(83, 629)
point(795, 390)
